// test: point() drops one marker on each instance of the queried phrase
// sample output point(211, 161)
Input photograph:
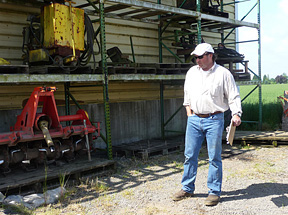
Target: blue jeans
point(197, 129)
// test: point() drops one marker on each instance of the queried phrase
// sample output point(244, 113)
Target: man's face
point(205, 61)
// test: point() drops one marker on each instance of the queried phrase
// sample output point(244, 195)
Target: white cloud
point(248, 34)
point(283, 5)
point(267, 39)
point(274, 40)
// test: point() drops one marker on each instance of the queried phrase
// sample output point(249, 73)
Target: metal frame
point(199, 37)
point(204, 21)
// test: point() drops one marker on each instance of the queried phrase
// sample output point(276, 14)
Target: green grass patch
point(270, 92)
point(272, 110)
point(271, 116)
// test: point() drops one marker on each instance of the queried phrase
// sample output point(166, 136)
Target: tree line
point(280, 79)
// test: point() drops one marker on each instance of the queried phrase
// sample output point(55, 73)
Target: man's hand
point(236, 120)
point(188, 111)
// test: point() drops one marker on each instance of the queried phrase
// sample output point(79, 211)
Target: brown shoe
point(212, 200)
point(181, 195)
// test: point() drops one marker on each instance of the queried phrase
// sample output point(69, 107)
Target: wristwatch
point(238, 114)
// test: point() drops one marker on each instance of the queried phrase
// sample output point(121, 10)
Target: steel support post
point(105, 80)
point(259, 68)
point(160, 37)
point(162, 109)
point(198, 9)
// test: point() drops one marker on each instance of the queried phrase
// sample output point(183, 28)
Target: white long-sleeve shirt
point(210, 91)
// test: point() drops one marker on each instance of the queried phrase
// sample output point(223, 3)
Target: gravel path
point(255, 181)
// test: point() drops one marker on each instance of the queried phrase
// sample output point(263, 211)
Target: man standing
point(209, 91)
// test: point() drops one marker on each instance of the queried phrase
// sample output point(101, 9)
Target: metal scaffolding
point(155, 13)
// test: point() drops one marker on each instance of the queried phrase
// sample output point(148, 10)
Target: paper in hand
point(230, 133)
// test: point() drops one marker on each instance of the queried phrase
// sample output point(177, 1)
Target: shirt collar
point(210, 70)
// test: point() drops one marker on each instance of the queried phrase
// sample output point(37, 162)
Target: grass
point(17, 209)
point(99, 187)
point(271, 116)
point(272, 109)
point(270, 92)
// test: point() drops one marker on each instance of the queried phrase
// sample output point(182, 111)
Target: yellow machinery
point(56, 36)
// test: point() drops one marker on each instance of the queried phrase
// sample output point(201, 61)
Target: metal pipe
point(249, 93)
point(132, 49)
point(71, 118)
point(43, 125)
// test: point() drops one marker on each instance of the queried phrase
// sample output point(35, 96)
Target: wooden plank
point(148, 148)
point(19, 180)
point(261, 135)
point(12, 8)
point(11, 41)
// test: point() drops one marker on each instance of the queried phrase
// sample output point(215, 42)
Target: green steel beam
point(105, 80)
point(198, 9)
point(169, 50)
point(250, 93)
point(234, 2)
point(74, 100)
point(132, 49)
point(247, 41)
point(162, 109)
point(180, 132)
point(168, 23)
point(94, 6)
point(160, 31)
point(259, 68)
point(241, 20)
point(251, 71)
point(256, 122)
point(173, 115)
point(184, 12)
point(90, 85)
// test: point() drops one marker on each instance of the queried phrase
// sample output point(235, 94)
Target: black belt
point(205, 115)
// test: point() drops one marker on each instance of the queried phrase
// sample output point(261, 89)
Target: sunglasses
point(201, 56)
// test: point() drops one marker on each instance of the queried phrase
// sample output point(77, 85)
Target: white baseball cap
point(202, 48)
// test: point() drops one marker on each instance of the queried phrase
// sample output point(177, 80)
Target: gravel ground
point(254, 182)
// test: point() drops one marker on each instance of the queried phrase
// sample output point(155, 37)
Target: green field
point(272, 110)
point(270, 92)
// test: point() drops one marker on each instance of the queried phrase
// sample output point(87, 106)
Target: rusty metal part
point(16, 156)
point(79, 145)
point(87, 140)
point(43, 125)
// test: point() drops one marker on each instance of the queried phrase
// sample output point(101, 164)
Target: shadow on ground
point(260, 190)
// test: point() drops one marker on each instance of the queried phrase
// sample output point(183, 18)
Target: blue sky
point(274, 36)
